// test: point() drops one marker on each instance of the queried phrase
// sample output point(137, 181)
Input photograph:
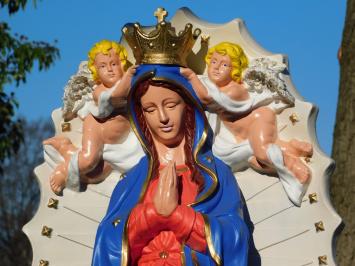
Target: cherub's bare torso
point(110, 130)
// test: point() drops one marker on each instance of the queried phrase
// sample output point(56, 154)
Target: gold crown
point(162, 45)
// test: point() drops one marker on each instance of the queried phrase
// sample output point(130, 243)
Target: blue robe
point(220, 203)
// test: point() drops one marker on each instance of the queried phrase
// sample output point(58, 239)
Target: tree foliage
point(14, 5)
point(19, 193)
point(17, 57)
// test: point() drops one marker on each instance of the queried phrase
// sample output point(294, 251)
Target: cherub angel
point(97, 94)
point(246, 97)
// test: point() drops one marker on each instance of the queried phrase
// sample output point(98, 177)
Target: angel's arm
point(199, 88)
point(107, 99)
point(120, 93)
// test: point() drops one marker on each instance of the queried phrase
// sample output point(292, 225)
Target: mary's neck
point(175, 153)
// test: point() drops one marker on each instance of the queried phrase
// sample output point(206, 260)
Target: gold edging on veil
point(210, 245)
point(125, 246)
point(134, 128)
point(183, 258)
point(194, 258)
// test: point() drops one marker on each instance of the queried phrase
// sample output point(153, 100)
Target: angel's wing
point(78, 96)
point(265, 73)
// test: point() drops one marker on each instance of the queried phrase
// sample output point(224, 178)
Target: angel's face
point(164, 111)
point(109, 69)
point(219, 70)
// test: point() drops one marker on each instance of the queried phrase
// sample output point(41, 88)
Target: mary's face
point(164, 112)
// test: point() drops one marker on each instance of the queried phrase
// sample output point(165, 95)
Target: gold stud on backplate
point(319, 226)
point(294, 118)
point(46, 231)
point(43, 263)
point(205, 38)
point(116, 222)
point(313, 198)
point(322, 260)
point(66, 127)
point(52, 203)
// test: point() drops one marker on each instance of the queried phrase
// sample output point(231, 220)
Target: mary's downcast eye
point(149, 109)
point(171, 105)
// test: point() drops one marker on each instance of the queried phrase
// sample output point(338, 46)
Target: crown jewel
point(161, 45)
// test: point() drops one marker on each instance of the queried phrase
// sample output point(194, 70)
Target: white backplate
point(283, 234)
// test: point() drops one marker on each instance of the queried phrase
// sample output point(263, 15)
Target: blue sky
point(308, 31)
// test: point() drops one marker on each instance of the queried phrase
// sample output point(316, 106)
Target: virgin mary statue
point(179, 204)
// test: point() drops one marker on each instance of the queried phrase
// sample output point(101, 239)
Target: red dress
point(157, 240)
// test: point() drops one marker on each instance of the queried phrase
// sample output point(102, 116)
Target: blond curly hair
point(236, 54)
point(104, 47)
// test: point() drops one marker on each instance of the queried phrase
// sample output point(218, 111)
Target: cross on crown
point(160, 14)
